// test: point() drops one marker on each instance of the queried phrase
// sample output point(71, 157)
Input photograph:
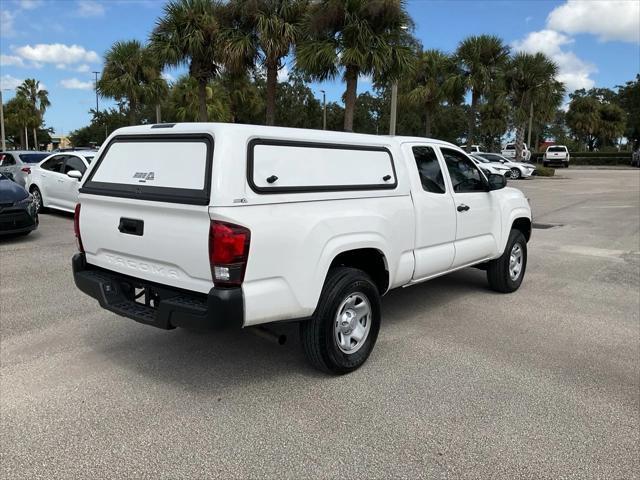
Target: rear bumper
point(220, 308)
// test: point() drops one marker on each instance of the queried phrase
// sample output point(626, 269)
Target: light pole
point(4, 142)
point(394, 107)
point(324, 109)
point(96, 84)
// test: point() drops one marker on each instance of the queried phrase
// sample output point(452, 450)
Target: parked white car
point(516, 169)
point(209, 225)
point(487, 167)
point(509, 151)
point(474, 148)
point(16, 164)
point(55, 181)
point(556, 155)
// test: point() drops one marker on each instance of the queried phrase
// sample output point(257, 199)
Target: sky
point(61, 42)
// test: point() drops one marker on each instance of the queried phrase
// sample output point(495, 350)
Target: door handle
point(463, 208)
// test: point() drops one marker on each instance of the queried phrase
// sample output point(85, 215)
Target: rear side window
point(429, 169)
point(278, 166)
point(74, 163)
point(171, 168)
point(54, 164)
point(7, 160)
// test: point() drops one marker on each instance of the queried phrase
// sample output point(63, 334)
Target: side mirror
point(74, 174)
point(496, 182)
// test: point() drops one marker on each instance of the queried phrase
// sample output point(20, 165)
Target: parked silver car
point(516, 169)
point(16, 164)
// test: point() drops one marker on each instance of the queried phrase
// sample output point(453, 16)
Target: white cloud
point(573, 71)
point(30, 4)
point(10, 61)
point(283, 74)
point(607, 19)
point(6, 23)
point(7, 82)
point(84, 68)
point(57, 53)
point(89, 8)
point(75, 84)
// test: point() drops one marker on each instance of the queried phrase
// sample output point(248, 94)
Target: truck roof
point(302, 134)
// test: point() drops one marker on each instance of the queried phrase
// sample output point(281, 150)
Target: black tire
point(318, 336)
point(545, 164)
point(498, 274)
point(515, 173)
point(566, 164)
point(37, 195)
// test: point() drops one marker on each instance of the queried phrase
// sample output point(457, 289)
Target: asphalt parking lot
point(463, 383)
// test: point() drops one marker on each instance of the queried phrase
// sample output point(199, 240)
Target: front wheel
point(515, 174)
point(505, 274)
point(341, 334)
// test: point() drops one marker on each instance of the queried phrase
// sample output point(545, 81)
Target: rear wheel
point(505, 274)
point(566, 165)
point(37, 199)
point(343, 331)
point(545, 164)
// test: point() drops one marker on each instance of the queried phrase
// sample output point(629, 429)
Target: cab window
point(429, 169)
point(465, 176)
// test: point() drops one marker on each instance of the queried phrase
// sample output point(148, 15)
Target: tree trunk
point(158, 114)
point(272, 82)
point(472, 120)
point(519, 141)
point(132, 112)
point(22, 139)
point(26, 138)
point(351, 76)
point(427, 123)
point(202, 101)
point(35, 139)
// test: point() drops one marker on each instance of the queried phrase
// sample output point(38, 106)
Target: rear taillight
point(76, 228)
point(228, 253)
point(26, 170)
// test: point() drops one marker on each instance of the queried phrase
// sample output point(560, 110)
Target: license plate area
point(146, 296)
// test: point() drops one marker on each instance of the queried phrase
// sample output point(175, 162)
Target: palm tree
point(185, 96)
point(189, 34)
point(22, 114)
point(130, 74)
point(30, 89)
point(436, 81)
point(274, 27)
point(530, 80)
point(481, 59)
point(355, 37)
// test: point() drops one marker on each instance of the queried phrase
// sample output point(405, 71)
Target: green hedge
point(592, 158)
point(544, 171)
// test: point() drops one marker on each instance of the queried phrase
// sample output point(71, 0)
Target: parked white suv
point(556, 155)
point(209, 225)
point(509, 151)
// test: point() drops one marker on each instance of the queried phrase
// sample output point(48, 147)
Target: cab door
point(476, 209)
point(435, 215)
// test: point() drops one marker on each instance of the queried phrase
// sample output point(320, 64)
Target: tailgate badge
point(144, 176)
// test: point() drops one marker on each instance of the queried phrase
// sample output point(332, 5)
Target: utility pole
point(324, 109)
point(530, 126)
point(394, 107)
point(4, 143)
point(96, 84)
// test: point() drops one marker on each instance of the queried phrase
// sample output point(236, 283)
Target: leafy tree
point(189, 33)
point(611, 123)
point(629, 99)
point(298, 106)
point(39, 98)
point(494, 117)
point(368, 116)
point(583, 118)
point(481, 59)
point(185, 98)
point(354, 38)
point(20, 115)
point(102, 124)
point(274, 27)
point(435, 81)
point(530, 81)
point(131, 74)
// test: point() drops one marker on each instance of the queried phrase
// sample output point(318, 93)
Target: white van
point(211, 225)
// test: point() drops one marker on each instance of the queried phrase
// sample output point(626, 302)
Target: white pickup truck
point(211, 225)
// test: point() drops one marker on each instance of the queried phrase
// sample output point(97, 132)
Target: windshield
point(480, 159)
point(33, 157)
point(493, 158)
point(510, 147)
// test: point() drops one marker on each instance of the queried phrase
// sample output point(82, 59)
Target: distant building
point(58, 141)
